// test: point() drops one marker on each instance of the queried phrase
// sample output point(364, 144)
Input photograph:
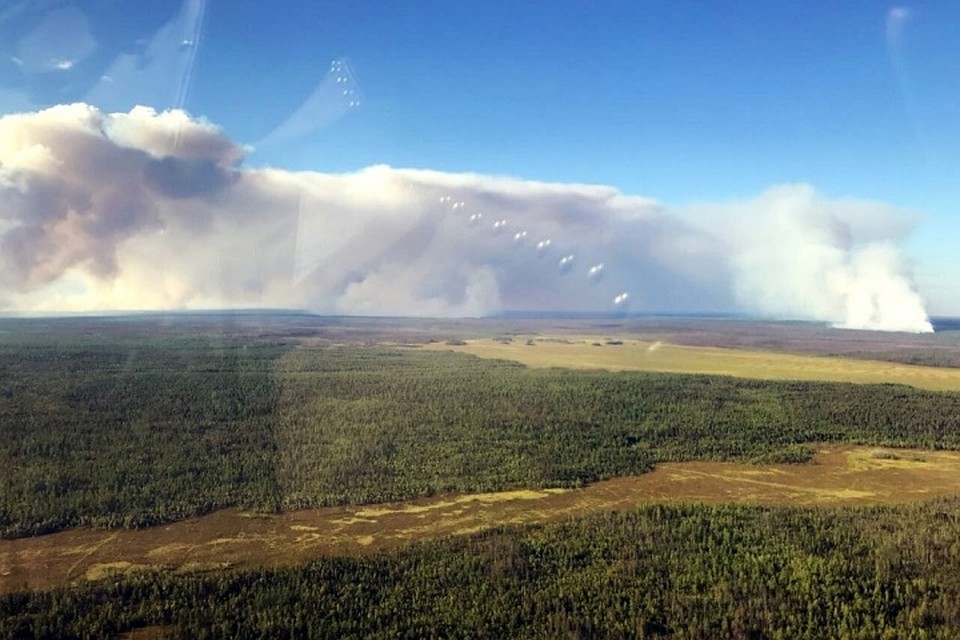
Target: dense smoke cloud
point(146, 210)
point(794, 254)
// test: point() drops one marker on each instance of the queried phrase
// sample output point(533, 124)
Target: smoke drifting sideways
point(147, 210)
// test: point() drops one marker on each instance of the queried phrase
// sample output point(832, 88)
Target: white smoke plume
point(146, 210)
point(796, 255)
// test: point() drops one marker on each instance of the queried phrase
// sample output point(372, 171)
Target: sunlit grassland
point(615, 354)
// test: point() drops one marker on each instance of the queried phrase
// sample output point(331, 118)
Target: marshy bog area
point(237, 539)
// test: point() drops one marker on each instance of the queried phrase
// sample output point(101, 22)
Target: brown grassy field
point(230, 538)
point(599, 352)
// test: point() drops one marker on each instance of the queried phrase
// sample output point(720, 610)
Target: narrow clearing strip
point(596, 352)
point(231, 538)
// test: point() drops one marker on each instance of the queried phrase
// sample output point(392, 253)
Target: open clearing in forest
point(615, 354)
point(839, 475)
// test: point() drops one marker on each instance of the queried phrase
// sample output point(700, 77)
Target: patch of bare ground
point(150, 633)
point(232, 538)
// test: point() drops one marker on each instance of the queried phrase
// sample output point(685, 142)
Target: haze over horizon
point(606, 160)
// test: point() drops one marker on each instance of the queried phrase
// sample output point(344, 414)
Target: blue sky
point(683, 102)
point(680, 101)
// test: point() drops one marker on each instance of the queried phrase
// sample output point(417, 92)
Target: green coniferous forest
point(139, 430)
point(685, 572)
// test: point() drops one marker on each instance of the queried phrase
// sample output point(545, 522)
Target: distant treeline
point(660, 571)
point(138, 431)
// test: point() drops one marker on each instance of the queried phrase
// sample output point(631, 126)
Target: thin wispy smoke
point(155, 210)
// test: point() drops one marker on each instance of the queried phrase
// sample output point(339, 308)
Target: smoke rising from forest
point(146, 210)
